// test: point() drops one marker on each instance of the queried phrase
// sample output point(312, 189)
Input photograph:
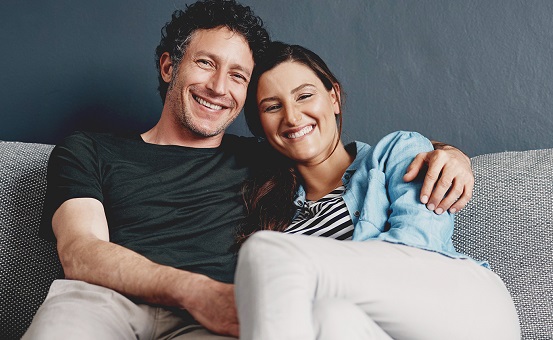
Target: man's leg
point(79, 310)
point(178, 324)
point(408, 292)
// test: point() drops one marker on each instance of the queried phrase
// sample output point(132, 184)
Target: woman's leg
point(340, 319)
point(407, 292)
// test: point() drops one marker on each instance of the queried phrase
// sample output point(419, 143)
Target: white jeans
point(305, 287)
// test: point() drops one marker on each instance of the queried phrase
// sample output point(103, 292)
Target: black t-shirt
point(175, 205)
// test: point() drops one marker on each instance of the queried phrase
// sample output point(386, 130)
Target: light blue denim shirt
point(383, 206)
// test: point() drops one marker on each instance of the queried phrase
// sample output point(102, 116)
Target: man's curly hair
point(207, 14)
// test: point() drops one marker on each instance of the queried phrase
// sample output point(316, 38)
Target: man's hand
point(449, 172)
point(214, 307)
point(86, 254)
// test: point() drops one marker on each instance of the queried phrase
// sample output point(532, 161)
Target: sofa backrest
point(509, 223)
point(28, 264)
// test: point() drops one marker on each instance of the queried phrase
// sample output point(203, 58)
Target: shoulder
point(231, 140)
point(75, 143)
point(81, 142)
point(401, 144)
point(91, 138)
point(394, 148)
point(250, 145)
point(404, 139)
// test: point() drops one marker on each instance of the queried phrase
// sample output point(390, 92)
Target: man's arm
point(86, 254)
point(449, 172)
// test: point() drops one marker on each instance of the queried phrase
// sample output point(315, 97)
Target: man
point(144, 223)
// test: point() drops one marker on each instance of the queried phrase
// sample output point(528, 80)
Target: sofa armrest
point(28, 264)
point(509, 222)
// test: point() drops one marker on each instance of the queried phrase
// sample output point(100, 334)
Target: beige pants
point(79, 310)
point(298, 287)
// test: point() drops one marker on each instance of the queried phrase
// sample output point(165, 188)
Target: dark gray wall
point(476, 74)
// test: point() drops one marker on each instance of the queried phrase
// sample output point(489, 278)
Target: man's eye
point(203, 62)
point(240, 77)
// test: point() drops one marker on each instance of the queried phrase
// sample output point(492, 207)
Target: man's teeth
point(300, 133)
point(209, 105)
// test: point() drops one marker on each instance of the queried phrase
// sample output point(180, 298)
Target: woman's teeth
point(300, 133)
point(207, 104)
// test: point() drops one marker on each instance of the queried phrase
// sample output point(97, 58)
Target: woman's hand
point(449, 180)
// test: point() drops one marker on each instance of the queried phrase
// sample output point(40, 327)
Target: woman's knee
point(264, 245)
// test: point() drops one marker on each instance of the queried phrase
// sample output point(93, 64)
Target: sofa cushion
point(28, 264)
point(509, 222)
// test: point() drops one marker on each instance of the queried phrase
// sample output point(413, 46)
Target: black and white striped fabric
point(327, 217)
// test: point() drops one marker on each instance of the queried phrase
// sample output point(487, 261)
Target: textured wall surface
point(476, 74)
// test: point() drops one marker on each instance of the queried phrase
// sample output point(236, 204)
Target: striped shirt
point(327, 217)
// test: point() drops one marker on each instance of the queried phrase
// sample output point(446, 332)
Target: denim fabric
point(384, 207)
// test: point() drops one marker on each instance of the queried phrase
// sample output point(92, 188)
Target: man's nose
point(218, 83)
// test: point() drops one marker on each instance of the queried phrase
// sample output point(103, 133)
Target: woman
point(405, 282)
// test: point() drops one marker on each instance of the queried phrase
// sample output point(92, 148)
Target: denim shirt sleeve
point(391, 210)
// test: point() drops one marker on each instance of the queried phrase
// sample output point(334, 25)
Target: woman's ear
point(166, 67)
point(336, 98)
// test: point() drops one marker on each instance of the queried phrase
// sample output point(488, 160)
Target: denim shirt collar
point(356, 149)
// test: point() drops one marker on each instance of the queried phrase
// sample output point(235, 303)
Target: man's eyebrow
point(234, 66)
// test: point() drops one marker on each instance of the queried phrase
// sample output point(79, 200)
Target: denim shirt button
point(357, 213)
point(347, 176)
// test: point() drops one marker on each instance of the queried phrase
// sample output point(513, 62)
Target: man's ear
point(336, 98)
point(166, 67)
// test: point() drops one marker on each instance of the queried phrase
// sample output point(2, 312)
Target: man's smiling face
point(208, 91)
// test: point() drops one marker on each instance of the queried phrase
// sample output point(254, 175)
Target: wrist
point(189, 290)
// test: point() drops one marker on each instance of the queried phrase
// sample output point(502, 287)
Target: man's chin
point(207, 131)
point(202, 130)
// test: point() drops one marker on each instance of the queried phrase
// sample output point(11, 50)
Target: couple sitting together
point(322, 240)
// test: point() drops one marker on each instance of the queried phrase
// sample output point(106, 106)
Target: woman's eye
point(304, 96)
point(272, 108)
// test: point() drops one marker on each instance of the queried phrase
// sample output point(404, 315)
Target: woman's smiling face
point(297, 112)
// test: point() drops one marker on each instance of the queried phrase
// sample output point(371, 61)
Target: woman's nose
point(292, 117)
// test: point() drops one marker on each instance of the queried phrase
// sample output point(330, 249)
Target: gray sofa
point(509, 222)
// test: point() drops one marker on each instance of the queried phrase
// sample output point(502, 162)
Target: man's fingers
point(455, 192)
point(217, 310)
point(463, 200)
point(448, 182)
point(415, 167)
point(431, 187)
point(443, 184)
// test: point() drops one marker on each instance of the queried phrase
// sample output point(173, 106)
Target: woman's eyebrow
point(294, 90)
point(268, 99)
point(301, 87)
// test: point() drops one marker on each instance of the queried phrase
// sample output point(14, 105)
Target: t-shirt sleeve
point(73, 172)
